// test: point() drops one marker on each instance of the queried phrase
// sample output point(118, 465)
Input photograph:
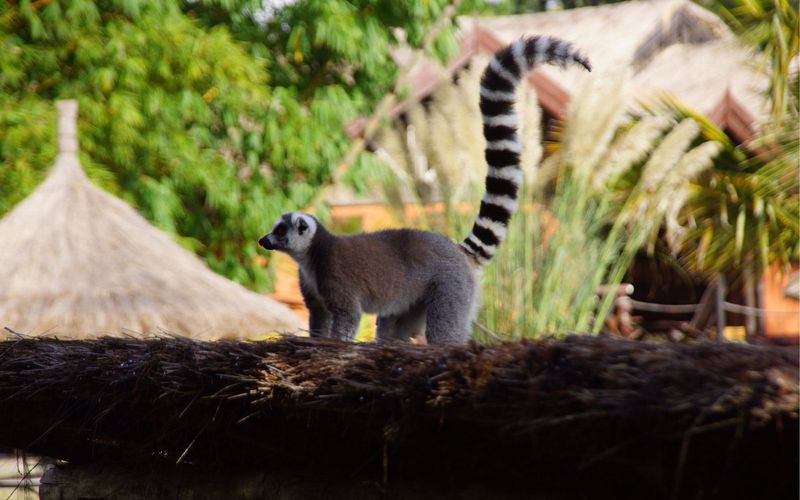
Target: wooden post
point(139, 482)
point(721, 292)
point(749, 277)
point(67, 126)
point(762, 328)
point(702, 316)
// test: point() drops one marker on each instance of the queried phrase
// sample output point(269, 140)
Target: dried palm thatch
point(675, 46)
point(78, 262)
point(586, 414)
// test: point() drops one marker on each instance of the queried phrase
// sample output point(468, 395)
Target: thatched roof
point(672, 45)
point(583, 417)
point(78, 262)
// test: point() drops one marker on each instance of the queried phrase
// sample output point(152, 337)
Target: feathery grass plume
point(546, 172)
point(457, 148)
point(418, 137)
point(530, 113)
point(675, 192)
point(391, 175)
point(667, 154)
point(435, 149)
point(394, 180)
point(443, 149)
point(665, 104)
point(630, 149)
point(667, 173)
point(594, 118)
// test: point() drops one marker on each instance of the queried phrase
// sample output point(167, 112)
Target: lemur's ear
point(301, 226)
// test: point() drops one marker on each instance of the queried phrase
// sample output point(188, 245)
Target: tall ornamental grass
point(602, 194)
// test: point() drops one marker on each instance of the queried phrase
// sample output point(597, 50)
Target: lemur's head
point(292, 234)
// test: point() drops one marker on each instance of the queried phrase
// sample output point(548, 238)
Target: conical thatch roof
point(76, 261)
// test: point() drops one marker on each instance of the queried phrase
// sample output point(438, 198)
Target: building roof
point(78, 262)
point(670, 46)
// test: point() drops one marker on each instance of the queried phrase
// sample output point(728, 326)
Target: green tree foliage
point(210, 116)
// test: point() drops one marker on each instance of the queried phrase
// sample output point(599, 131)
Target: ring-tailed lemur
point(417, 280)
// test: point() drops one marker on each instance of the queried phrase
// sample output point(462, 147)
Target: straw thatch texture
point(78, 262)
point(647, 419)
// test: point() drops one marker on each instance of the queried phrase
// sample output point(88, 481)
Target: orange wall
point(785, 321)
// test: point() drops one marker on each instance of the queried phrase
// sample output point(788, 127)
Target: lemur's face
point(292, 233)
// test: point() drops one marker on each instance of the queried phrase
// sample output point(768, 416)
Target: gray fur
point(413, 280)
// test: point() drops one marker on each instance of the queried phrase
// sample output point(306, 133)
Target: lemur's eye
point(281, 230)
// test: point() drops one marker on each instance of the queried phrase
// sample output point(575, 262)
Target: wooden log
point(117, 482)
point(561, 417)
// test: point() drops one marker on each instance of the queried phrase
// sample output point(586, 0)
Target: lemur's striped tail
point(498, 95)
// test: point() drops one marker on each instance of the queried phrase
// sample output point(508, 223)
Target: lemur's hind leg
point(449, 312)
point(411, 324)
point(402, 326)
point(386, 328)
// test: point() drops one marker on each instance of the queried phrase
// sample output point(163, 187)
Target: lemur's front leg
point(320, 318)
point(346, 317)
point(344, 308)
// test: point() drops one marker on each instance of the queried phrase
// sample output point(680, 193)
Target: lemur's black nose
point(264, 242)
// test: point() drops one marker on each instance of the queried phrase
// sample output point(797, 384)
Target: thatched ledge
point(570, 418)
